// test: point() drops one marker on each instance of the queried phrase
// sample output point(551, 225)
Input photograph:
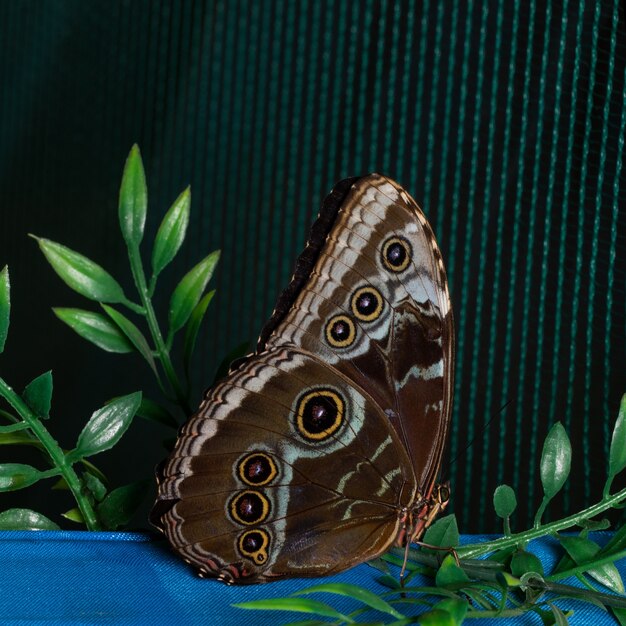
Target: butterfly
point(321, 450)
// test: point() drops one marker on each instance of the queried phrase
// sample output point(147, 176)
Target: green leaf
point(18, 439)
point(133, 334)
point(17, 476)
point(504, 501)
point(189, 291)
point(583, 551)
point(524, 562)
point(95, 327)
point(5, 306)
point(355, 592)
point(80, 273)
point(92, 469)
point(559, 616)
point(450, 574)
point(150, 410)
point(617, 454)
point(171, 233)
point(619, 614)
point(444, 533)
point(195, 321)
point(617, 543)
point(455, 608)
point(106, 426)
point(299, 605)
point(74, 515)
point(556, 460)
point(38, 395)
point(508, 580)
point(121, 504)
point(60, 485)
point(95, 486)
point(437, 617)
point(25, 519)
point(133, 203)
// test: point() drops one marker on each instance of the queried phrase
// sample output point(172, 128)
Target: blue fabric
point(62, 577)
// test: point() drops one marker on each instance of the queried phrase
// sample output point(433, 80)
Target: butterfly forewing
point(306, 459)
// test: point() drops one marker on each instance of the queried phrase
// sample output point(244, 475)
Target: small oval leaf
point(524, 562)
point(171, 233)
point(106, 426)
point(25, 519)
point(74, 515)
point(133, 334)
point(450, 574)
point(80, 273)
point(437, 617)
point(95, 327)
point(17, 476)
point(617, 454)
point(191, 332)
point(444, 533)
point(189, 291)
point(5, 306)
point(556, 460)
point(95, 486)
point(38, 395)
point(120, 505)
point(133, 202)
point(504, 501)
point(457, 608)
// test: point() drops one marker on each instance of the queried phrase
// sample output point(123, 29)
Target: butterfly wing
point(304, 460)
point(286, 470)
point(372, 299)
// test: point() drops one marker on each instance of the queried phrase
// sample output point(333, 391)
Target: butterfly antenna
point(481, 433)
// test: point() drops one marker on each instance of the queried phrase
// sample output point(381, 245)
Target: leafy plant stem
point(161, 349)
point(478, 549)
point(488, 572)
point(56, 454)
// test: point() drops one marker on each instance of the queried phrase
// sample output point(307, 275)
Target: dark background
point(505, 120)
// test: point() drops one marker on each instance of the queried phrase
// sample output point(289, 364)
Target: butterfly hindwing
point(283, 458)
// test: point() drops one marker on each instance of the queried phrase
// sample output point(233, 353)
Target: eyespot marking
point(340, 331)
point(254, 544)
point(319, 414)
point(367, 304)
point(249, 507)
point(396, 254)
point(257, 469)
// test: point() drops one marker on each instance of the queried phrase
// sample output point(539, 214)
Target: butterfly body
point(321, 450)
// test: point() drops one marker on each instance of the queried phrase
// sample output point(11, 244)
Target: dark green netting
point(505, 120)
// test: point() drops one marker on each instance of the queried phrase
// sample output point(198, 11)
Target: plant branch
point(161, 349)
point(479, 549)
point(54, 451)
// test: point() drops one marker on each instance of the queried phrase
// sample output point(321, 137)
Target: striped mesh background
point(505, 120)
